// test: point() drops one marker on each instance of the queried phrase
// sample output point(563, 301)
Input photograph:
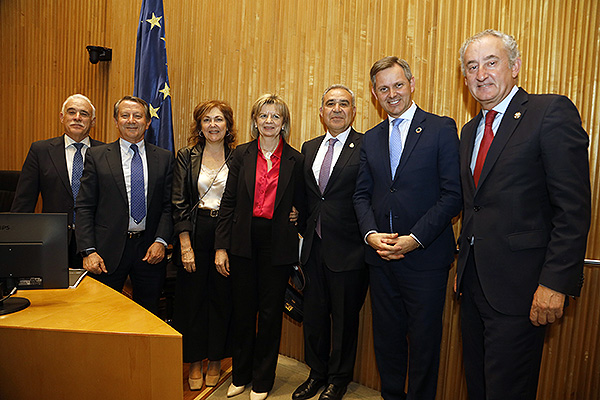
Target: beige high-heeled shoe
point(213, 373)
point(196, 383)
point(235, 390)
point(258, 396)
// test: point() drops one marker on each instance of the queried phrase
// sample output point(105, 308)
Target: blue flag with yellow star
point(151, 77)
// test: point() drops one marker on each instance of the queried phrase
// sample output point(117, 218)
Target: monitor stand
point(13, 304)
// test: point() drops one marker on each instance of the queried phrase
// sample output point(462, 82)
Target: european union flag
point(151, 77)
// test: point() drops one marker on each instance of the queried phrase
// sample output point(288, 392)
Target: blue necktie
point(138, 195)
point(76, 174)
point(395, 146)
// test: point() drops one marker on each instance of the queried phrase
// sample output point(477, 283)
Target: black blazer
point(185, 186)
point(343, 246)
point(45, 171)
point(103, 208)
point(233, 231)
point(530, 213)
point(424, 195)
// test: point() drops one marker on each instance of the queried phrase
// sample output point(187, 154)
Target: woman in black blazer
point(257, 241)
point(203, 304)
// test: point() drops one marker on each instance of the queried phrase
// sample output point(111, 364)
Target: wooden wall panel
point(43, 60)
point(236, 50)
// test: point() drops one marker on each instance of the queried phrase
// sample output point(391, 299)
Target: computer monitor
point(33, 255)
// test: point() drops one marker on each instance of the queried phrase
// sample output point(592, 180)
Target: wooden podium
point(90, 342)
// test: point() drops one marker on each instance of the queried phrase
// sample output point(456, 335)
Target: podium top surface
point(90, 307)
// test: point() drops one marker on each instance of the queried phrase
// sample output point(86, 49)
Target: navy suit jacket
point(103, 208)
point(530, 213)
point(45, 171)
point(342, 243)
point(423, 196)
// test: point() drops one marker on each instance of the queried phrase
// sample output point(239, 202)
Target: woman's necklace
point(268, 153)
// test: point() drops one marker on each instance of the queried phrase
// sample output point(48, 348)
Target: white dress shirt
point(70, 151)
point(501, 109)
point(337, 150)
point(126, 156)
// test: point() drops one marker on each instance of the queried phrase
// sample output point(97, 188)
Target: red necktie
point(488, 137)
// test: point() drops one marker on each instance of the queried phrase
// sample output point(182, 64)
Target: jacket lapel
point(347, 151)
point(196, 164)
point(382, 134)
point(286, 167)
point(468, 137)
point(312, 148)
point(511, 119)
point(414, 134)
point(113, 158)
point(59, 160)
point(249, 167)
point(153, 163)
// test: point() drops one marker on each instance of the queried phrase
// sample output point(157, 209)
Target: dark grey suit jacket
point(103, 208)
point(530, 213)
point(45, 171)
point(343, 246)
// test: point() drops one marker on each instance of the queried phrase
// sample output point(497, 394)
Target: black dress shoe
point(333, 392)
point(308, 389)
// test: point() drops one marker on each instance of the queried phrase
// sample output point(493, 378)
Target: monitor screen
point(34, 250)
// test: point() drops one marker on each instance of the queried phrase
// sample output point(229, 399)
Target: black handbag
point(293, 302)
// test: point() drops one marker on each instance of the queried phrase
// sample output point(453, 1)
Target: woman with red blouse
point(256, 241)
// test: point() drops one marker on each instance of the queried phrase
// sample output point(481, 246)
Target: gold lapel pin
point(517, 115)
point(418, 130)
point(351, 145)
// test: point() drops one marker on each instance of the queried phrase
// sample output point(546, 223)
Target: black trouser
point(147, 280)
point(203, 303)
point(258, 294)
point(332, 303)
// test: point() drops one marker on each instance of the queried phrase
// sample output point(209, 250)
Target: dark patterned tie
point(76, 174)
point(324, 176)
point(488, 137)
point(138, 195)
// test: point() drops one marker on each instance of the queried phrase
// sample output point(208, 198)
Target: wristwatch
point(87, 252)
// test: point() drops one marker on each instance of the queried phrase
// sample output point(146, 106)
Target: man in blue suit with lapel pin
point(407, 193)
point(525, 180)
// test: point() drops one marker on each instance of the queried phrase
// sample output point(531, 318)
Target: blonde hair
point(282, 109)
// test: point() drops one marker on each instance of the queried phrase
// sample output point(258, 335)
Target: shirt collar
point(503, 105)
point(340, 137)
point(126, 146)
point(408, 114)
point(69, 141)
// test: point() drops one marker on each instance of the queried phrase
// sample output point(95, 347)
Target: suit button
point(476, 208)
point(322, 198)
point(392, 190)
